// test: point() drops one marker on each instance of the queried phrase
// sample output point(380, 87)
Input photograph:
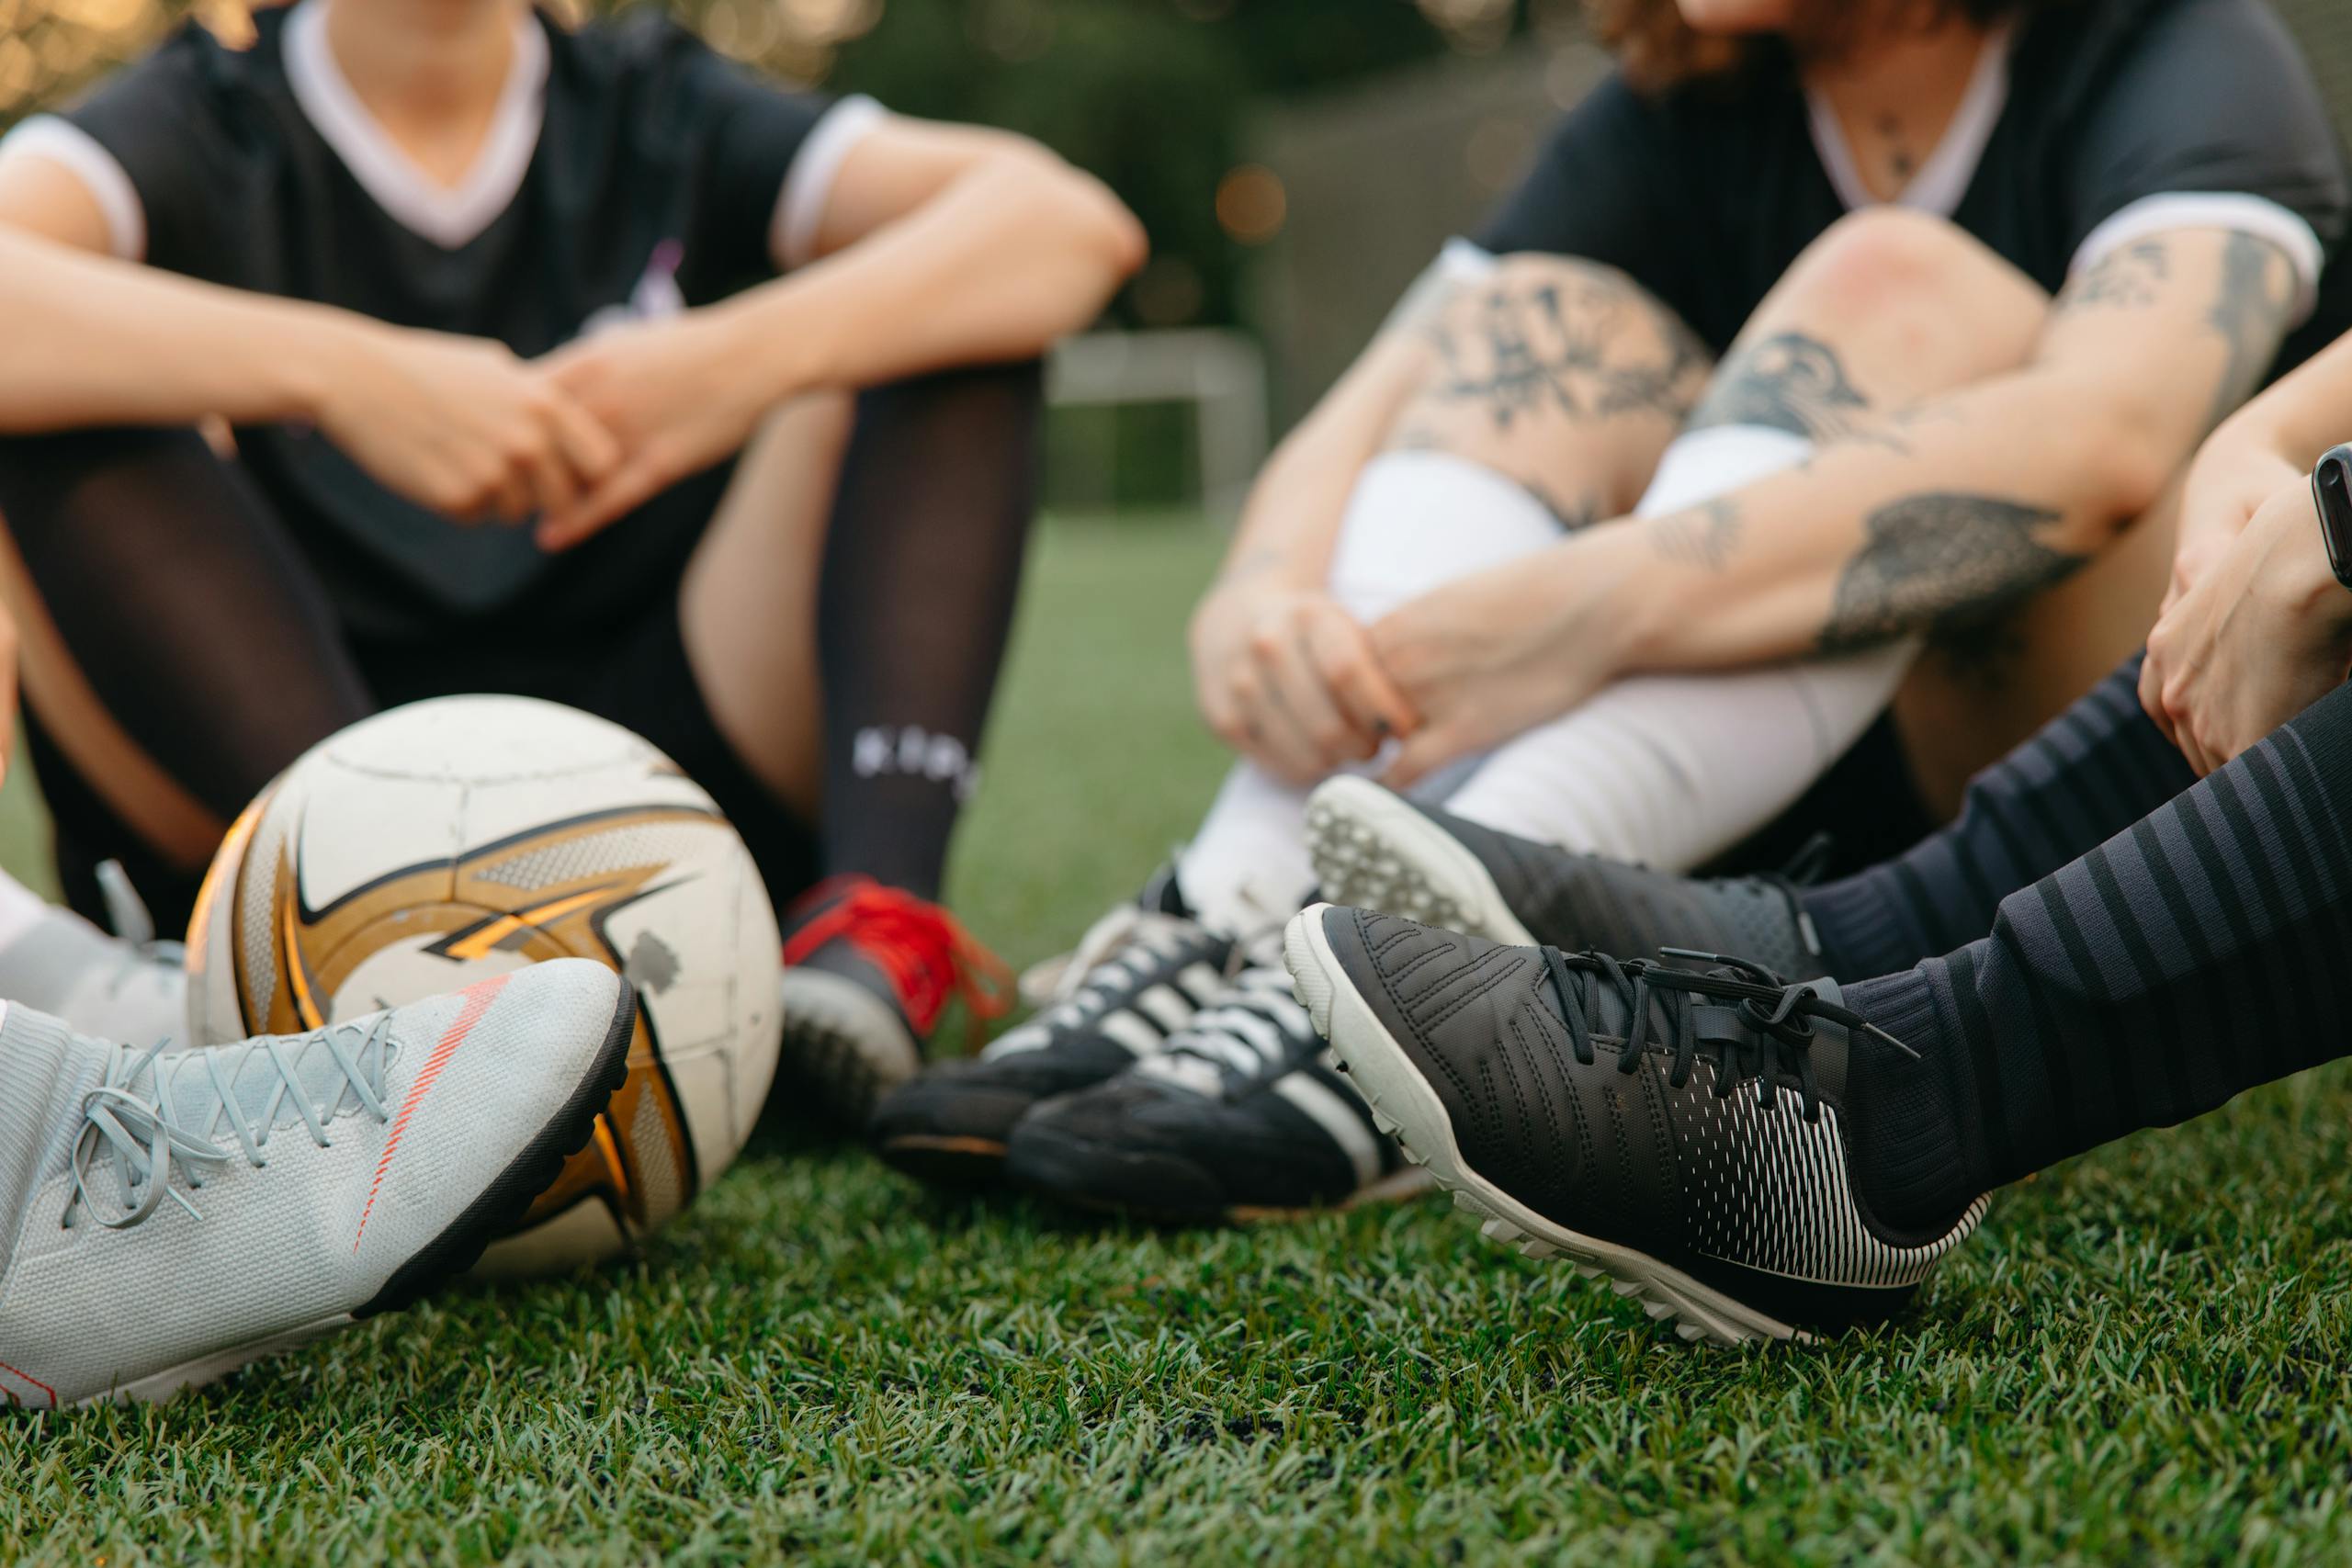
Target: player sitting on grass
point(2164, 874)
point(1980, 275)
point(166, 1216)
point(457, 264)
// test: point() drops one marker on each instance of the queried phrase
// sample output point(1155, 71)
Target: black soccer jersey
point(2086, 126)
point(629, 171)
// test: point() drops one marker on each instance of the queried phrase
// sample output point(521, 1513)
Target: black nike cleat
point(1685, 1134)
point(1139, 977)
point(1244, 1116)
point(1377, 850)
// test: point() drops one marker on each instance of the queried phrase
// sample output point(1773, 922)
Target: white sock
point(1415, 520)
point(1672, 770)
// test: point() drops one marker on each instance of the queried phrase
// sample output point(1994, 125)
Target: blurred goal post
point(1220, 373)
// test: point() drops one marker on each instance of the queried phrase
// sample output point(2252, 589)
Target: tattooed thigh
point(1563, 374)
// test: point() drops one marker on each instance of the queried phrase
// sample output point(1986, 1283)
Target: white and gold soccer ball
point(434, 845)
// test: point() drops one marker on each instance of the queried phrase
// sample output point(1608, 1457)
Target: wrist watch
point(2332, 491)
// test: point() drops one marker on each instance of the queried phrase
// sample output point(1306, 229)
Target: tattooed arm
point(1959, 506)
point(2305, 414)
point(1936, 518)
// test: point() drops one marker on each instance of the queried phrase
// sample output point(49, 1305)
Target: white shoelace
point(139, 1134)
point(1255, 1030)
point(1117, 952)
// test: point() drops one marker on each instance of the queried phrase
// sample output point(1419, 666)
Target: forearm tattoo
point(2250, 313)
point(1790, 381)
point(1585, 346)
point(2125, 278)
point(1705, 537)
point(1940, 563)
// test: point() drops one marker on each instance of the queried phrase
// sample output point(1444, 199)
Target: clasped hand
point(2256, 629)
point(577, 439)
point(1290, 680)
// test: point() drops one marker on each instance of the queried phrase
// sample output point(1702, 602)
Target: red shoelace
point(923, 950)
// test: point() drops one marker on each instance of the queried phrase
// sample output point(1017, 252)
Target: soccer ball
point(434, 845)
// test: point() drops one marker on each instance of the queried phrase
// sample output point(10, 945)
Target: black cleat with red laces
point(868, 972)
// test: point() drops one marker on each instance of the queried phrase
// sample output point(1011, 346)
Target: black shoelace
point(1760, 1023)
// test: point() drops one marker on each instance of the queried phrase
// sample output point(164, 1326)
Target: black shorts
point(622, 659)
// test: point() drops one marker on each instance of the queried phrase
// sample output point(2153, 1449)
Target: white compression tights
point(1668, 770)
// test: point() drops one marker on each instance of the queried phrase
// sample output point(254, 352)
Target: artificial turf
point(2142, 1357)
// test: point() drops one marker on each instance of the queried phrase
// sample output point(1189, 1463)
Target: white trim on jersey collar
point(2236, 211)
point(64, 143)
point(449, 216)
point(809, 183)
point(1945, 177)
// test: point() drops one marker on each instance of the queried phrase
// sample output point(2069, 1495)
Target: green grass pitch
point(2141, 1357)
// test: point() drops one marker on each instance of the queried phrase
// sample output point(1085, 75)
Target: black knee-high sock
point(922, 568)
point(193, 618)
point(2195, 955)
point(2091, 773)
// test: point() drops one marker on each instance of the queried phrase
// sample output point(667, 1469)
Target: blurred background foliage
point(1150, 95)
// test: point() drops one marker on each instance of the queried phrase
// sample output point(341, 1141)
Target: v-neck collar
point(1944, 178)
point(449, 216)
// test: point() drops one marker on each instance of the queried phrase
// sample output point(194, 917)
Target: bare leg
point(749, 603)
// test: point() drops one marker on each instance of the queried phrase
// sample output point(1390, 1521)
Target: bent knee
point(1894, 257)
point(1560, 373)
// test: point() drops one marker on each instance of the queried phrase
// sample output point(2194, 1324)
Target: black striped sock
point(2091, 773)
point(2193, 955)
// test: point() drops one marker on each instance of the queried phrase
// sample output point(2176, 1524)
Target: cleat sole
point(1373, 851)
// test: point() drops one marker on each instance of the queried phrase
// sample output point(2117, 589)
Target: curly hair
point(1658, 48)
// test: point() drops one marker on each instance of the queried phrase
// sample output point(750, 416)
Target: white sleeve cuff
point(75, 150)
point(2235, 210)
point(1464, 261)
point(809, 184)
point(1461, 265)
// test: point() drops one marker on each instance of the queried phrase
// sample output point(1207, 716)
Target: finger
point(1330, 735)
point(514, 498)
point(1218, 713)
point(591, 449)
point(1343, 657)
point(1270, 738)
point(2152, 696)
point(553, 485)
point(2185, 727)
point(2201, 758)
